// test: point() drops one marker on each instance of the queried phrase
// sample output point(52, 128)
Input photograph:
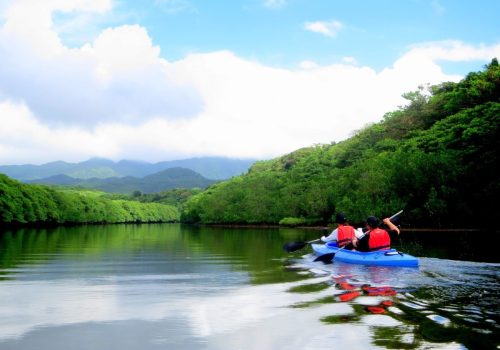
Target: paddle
point(294, 246)
point(328, 257)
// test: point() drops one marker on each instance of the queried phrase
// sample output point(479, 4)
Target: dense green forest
point(436, 157)
point(23, 203)
point(176, 197)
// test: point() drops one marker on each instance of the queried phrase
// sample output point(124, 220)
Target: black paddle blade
point(293, 246)
point(325, 258)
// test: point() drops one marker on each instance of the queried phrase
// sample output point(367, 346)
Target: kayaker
point(376, 238)
point(343, 234)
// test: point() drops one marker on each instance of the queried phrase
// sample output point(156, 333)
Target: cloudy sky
point(159, 80)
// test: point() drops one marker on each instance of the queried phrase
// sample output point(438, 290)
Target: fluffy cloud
point(328, 28)
point(117, 98)
point(118, 77)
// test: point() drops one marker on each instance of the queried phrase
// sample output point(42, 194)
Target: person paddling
point(376, 238)
point(343, 234)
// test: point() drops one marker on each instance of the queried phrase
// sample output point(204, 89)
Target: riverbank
point(325, 228)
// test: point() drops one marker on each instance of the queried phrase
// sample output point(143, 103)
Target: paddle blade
point(326, 258)
point(293, 246)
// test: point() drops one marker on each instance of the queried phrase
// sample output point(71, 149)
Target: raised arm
point(391, 226)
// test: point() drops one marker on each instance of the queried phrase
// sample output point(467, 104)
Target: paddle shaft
point(399, 212)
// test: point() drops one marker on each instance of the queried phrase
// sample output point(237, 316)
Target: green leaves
point(21, 203)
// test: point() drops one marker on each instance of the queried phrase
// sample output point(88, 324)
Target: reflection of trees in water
point(253, 250)
point(450, 244)
point(84, 242)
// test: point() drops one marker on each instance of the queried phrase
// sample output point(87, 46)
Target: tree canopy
point(22, 204)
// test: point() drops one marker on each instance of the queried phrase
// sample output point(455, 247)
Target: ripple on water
point(445, 303)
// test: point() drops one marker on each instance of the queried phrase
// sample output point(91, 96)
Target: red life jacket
point(345, 235)
point(379, 240)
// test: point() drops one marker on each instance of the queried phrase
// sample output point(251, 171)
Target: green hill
point(437, 158)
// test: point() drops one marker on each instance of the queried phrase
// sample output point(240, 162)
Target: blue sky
point(375, 33)
point(170, 79)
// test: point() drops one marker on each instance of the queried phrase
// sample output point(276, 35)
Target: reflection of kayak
point(389, 257)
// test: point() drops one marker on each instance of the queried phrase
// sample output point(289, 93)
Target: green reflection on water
point(308, 288)
point(395, 337)
point(324, 300)
point(256, 251)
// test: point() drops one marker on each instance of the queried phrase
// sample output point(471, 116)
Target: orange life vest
point(379, 240)
point(345, 235)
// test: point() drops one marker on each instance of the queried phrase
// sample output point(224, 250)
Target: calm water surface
point(181, 287)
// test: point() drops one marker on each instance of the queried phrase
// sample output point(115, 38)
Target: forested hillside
point(436, 157)
point(22, 203)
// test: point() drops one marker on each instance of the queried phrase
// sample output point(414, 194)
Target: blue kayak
point(389, 257)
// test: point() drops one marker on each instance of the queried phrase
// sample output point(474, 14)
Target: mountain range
point(215, 168)
point(164, 180)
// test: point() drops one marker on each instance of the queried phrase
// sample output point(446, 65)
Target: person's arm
point(332, 237)
point(391, 226)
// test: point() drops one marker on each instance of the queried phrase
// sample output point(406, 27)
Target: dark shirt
point(363, 242)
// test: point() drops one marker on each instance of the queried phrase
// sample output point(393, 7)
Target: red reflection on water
point(348, 296)
point(353, 292)
point(378, 291)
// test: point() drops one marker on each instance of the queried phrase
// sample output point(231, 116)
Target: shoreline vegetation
point(436, 158)
point(44, 225)
point(331, 227)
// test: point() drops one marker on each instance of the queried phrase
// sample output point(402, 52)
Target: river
point(170, 286)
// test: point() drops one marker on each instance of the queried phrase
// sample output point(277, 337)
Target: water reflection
point(172, 286)
point(446, 302)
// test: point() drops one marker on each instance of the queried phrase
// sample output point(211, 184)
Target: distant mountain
point(157, 182)
point(216, 168)
point(63, 180)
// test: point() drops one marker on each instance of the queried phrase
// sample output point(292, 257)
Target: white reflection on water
point(226, 320)
point(109, 299)
point(249, 306)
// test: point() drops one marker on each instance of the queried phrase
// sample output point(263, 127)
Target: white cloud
point(118, 77)
point(328, 28)
point(349, 60)
point(452, 50)
point(308, 64)
point(23, 138)
point(117, 98)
